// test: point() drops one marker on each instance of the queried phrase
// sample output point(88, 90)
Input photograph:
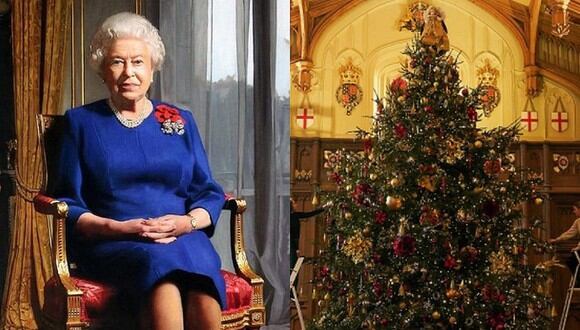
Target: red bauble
point(399, 86)
point(450, 262)
point(380, 217)
point(400, 130)
point(404, 246)
point(471, 113)
point(367, 145)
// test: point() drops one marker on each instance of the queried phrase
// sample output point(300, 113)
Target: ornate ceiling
point(558, 21)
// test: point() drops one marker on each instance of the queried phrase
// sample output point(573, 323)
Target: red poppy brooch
point(170, 120)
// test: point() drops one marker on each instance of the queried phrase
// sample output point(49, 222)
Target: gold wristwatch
point(193, 221)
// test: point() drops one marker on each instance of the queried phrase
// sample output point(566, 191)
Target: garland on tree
point(425, 230)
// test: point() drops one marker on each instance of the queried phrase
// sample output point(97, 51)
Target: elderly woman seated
point(143, 203)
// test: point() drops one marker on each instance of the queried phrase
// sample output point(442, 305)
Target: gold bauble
point(478, 144)
point(373, 176)
point(452, 294)
point(436, 315)
point(538, 201)
point(367, 231)
point(395, 182)
point(348, 187)
point(394, 203)
point(348, 215)
point(452, 320)
point(502, 190)
point(401, 98)
point(327, 296)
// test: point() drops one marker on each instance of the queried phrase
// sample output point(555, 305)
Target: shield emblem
point(489, 99)
point(349, 96)
point(305, 117)
point(559, 121)
point(529, 120)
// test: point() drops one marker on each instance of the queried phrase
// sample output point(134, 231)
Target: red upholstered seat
point(97, 297)
point(238, 293)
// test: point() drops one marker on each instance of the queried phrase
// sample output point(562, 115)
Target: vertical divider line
point(82, 28)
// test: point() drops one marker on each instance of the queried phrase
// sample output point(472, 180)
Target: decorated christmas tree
point(426, 229)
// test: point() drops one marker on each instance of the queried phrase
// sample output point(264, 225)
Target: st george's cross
point(560, 121)
point(530, 120)
point(304, 117)
point(559, 117)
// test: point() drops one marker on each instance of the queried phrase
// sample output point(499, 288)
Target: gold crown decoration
point(487, 74)
point(349, 73)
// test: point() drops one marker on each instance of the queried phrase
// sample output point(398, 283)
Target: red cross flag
point(559, 121)
point(305, 117)
point(530, 120)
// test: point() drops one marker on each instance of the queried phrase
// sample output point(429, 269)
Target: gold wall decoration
point(303, 175)
point(349, 93)
point(487, 76)
point(303, 78)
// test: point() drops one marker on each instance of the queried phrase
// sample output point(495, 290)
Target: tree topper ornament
point(434, 30)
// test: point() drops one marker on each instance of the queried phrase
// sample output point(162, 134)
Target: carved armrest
point(241, 264)
point(59, 210)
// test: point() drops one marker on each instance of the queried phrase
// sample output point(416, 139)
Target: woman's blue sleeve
point(69, 182)
point(204, 192)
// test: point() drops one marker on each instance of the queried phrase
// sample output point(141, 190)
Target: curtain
point(227, 61)
point(38, 42)
point(271, 150)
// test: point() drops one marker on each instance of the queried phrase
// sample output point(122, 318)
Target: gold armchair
point(75, 303)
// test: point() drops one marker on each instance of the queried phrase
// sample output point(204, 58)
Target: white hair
point(126, 25)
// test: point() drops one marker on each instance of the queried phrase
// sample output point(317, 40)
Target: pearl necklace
point(129, 123)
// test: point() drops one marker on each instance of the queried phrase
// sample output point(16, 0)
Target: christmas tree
point(425, 229)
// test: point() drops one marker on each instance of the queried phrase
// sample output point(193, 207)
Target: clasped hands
point(164, 229)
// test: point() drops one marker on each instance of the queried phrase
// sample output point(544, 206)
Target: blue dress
point(126, 173)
